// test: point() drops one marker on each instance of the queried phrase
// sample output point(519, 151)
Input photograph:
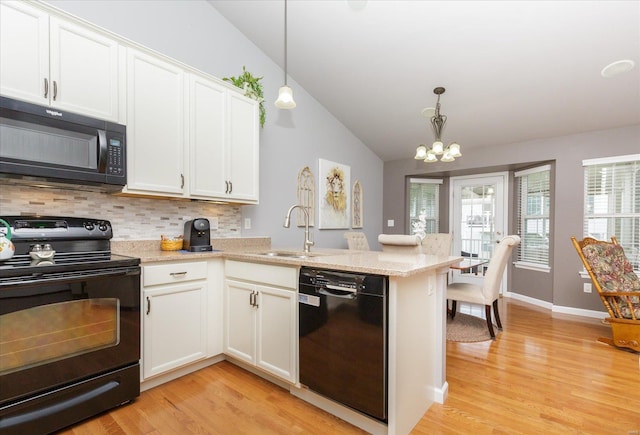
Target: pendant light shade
point(285, 98)
point(421, 152)
point(285, 93)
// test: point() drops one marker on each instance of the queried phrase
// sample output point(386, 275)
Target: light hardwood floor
point(545, 374)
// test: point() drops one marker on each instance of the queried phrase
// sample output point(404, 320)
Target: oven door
point(65, 328)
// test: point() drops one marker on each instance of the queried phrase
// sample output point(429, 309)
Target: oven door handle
point(72, 276)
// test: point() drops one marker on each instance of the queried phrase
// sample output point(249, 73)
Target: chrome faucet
point(308, 243)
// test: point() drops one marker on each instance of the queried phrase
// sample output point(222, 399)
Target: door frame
point(453, 228)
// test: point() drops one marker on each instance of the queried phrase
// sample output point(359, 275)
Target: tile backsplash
point(132, 218)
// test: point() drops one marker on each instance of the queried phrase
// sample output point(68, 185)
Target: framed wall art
point(334, 195)
point(357, 206)
point(306, 195)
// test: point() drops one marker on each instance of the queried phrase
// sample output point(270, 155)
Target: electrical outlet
point(391, 223)
point(586, 287)
point(213, 223)
point(247, 223)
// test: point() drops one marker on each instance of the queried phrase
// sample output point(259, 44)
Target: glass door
point(478, 220)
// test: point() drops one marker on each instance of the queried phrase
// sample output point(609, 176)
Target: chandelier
point(438, 121)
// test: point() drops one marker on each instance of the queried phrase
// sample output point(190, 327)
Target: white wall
point(193, 32)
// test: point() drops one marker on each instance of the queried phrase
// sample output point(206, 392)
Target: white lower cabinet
point(174, 317)
point(260, 319)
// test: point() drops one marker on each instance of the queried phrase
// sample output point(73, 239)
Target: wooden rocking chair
point(618, 286)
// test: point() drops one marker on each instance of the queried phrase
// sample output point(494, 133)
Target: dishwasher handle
point(347, 296)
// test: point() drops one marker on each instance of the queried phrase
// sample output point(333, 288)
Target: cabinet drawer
point(169, 273)
point(280, 276)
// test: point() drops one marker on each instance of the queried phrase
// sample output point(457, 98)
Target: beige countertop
point(254, 249)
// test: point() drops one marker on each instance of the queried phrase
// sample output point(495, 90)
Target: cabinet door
point(84, 70)
point(24, 52)
point(207, 132)
point(239, 319)
point(174, 326)
point(277, 332)
point(155, 125)
point(244, 152)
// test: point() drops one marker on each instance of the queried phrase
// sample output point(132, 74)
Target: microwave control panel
point(115, 158)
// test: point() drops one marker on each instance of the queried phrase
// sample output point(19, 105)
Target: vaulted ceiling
point(513, 70)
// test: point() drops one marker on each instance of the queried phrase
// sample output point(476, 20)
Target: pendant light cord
point(285, 42)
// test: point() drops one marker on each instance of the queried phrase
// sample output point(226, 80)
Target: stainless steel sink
point(288, 254)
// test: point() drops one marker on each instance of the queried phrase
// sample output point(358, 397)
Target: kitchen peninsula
point(416, 326)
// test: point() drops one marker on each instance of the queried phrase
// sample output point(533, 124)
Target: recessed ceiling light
point(617, 68)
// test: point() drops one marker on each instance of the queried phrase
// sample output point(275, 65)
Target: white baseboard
point(440, 394)
point(580, 312)
point(179, 372)
point(530, 300)
point(557, 308)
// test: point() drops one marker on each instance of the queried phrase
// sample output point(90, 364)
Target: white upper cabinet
point(207, 137)
point(155, 125)
point(243, 146)
point(50, 61)
point(24, 52)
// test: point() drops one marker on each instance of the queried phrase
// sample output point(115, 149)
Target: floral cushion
point(614, 273)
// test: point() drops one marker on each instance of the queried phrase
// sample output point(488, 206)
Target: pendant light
point(438, 121)
point(285, 94)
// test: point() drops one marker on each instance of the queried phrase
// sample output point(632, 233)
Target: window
point(533, 217)
point(612, 202)
point(424, 200)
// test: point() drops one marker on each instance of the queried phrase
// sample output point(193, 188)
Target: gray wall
point(563, 286)
point(193, 32)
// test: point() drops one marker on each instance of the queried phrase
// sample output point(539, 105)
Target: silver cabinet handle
point(226, 190)
point(251, 299)
point(255, 301)
point(55, 90)
point(230, 187)
point(181, 181)
point(46, 87)
point(175, 274)
point(148, 305)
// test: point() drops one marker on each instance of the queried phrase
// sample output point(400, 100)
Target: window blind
point(612, 202)
point(424, 203)
point(533, 211)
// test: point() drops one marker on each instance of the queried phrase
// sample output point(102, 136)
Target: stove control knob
point(89, 226)
point(103, 227)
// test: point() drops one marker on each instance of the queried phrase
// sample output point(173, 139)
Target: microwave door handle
point(102, 151)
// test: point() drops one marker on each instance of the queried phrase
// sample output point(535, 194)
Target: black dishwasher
point(343, 338)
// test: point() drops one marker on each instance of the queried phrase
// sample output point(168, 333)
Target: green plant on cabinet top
point(252, 89)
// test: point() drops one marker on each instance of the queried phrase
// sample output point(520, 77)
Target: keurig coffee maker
point(197, 236)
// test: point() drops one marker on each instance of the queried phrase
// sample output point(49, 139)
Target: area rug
point(468, 329)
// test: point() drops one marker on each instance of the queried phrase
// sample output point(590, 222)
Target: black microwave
point(42, 141)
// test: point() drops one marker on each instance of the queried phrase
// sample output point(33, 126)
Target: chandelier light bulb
point(431, 157)
point(437, 147)
point(454, 150)
point(447, 157)
point(421, 152)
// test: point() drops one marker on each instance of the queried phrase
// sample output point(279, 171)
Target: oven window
point(47, 333)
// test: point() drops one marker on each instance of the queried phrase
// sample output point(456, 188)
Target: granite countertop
point(254, 249)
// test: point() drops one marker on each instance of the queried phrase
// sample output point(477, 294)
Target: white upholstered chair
point(400, 243)
point(357, 240)
point(487, 294)
point(437, 244)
